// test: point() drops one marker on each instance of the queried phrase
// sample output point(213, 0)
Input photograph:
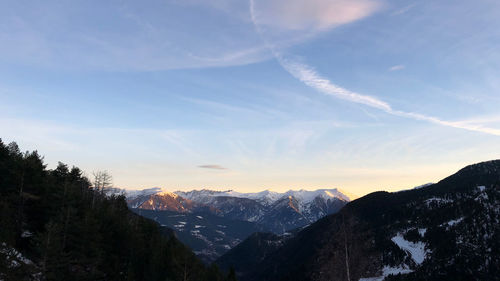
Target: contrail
point(310, 77)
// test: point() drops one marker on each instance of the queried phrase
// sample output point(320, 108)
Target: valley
point(212, 222)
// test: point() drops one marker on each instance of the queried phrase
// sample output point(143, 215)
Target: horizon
point(362, 95)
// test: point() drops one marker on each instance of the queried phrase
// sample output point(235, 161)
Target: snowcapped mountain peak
point(166, 193)
point(306, 196)
point(265, 197)
point(131, 194)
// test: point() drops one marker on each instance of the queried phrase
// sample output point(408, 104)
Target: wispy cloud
point(309, 76)
point(213, 167)
point(454, 124)
point(397, 67)
point(403, 10)
point(134, 39)
point(248, 110)
point(319, 14)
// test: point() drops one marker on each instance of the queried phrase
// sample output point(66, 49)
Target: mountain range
point(212, 222)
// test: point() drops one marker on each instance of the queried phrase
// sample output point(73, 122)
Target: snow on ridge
point(266, 197)
point(132, 194)
point(423, 185)
point(167, 193)
point(387, 270)
point(416, 250)
point(307, 196)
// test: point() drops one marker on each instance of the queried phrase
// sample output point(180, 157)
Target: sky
point(361, 95)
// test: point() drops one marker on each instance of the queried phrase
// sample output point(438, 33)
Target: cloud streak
point(404, 10)
point(397, 67)
point(310, 77)
point(213, 167)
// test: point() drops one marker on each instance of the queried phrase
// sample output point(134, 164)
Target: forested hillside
point(55, 226)
point(445, 231)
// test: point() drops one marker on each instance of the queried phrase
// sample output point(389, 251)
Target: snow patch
point(176, 216)
point(26, 234)
point(437, 200)
point(452, 222)
point(482, 196)
point(387, 270)
point(14, 256)
point(416, 250)
point(423, 185)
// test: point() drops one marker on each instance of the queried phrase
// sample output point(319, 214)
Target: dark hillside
point(54, 226)
point(449, 230)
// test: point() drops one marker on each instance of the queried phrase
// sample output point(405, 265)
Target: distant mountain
point(262, 211)
point(265, 197)
point(161, 201)
point(278, 212)
point(445, 231)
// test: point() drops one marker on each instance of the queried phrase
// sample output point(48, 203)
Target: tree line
point(58, 225)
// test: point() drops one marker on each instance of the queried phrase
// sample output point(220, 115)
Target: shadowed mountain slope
point(448, 230)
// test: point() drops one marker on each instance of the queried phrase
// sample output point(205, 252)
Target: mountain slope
point(208, 235)
point(164, 201)
point(249, 253)
point(449, 230)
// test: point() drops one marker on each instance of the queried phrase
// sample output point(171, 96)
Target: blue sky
point(362, 95)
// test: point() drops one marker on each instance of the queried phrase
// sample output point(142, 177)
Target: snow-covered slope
point(144, 192)
point(306, 196)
